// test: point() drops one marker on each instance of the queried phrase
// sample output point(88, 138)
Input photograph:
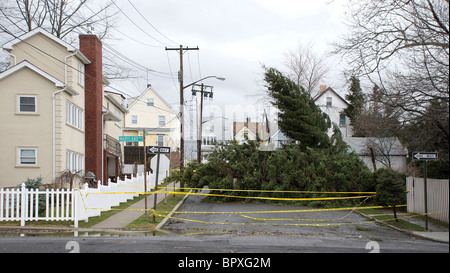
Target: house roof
point(26, 64)
point(10, 45)
point(329, 89)
point(280, 135)
point(149, 88)
point(248, 130)
point(253, 127)
point(110, 97)
point(390, 145)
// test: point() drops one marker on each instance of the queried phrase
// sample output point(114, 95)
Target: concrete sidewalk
point(437, 233)
point(121, 219)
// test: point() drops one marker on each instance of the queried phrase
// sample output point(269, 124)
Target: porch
point(112, 159)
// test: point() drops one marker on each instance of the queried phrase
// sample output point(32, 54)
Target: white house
point(333, 104)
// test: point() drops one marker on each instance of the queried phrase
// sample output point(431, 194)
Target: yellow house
point(152, 113)
point(42, 128)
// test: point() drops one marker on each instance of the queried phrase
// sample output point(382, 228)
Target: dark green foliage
point(244, 167)
point(34, 184)
point(31, 183)
point(299, 117)
point(391, 189)
point(355, 99)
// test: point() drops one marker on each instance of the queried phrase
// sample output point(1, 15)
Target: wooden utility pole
point(181, 50)
point(203, 93)
point(145, 174)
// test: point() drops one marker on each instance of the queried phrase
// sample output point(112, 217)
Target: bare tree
point(63, 18)
point(59, 17)
point(305, 67)
point(69, 179)
point(403, 47)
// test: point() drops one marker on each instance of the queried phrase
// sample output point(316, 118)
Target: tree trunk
point(395, 214)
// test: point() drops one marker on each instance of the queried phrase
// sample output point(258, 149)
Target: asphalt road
point(238, 233)
point(226, 243)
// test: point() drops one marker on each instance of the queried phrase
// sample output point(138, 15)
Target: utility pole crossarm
point(181, 48)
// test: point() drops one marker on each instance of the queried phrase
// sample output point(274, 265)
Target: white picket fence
point(69, 205)
point(25, 205)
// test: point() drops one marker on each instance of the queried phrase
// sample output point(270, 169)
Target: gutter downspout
point(54, 111)
point(54, 130)
point(65, 66)
point(103, 148)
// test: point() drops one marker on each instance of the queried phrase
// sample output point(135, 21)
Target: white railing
point(69, 205)
point(92, 201)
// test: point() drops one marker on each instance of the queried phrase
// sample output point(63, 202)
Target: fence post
point(75, 204)
point(22, 205)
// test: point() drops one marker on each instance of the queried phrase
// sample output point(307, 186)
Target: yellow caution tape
point(265, 198)
point(279, 224)
point(235, 196)
point(282, 211)
point(232, 190)
point(237, 190)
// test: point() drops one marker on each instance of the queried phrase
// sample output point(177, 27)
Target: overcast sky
point(235, 37)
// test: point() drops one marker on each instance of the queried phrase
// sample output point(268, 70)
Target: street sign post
point(130, 138)
point(158, 150)
point(425, 157)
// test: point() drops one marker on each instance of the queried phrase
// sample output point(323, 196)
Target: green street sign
point(130, 138)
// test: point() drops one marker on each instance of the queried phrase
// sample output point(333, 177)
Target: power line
point(151, 24)
point(86, 75)
point(134, 63)
point(131, 20)
point(137, 41)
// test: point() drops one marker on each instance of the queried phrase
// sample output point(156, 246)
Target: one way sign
point(424, 156)
point(156, 149)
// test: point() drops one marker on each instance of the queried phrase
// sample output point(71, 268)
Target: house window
point(329, 101)
point(162, 120)
point(81, 74)
point(134, 119)
point(342, 120)
point(150, 102)
point(27, 104)
point(160, 140)
point(74, 115)
point(74, 161)
point(28, 156)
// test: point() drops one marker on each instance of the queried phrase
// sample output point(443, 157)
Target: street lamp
point(182, 120)
point(219, 78)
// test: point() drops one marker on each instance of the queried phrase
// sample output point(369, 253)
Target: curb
point(412, 233)
point(163, 222)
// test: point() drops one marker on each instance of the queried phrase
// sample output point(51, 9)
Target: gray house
point(377, 153)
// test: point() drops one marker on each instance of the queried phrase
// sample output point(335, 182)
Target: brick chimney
point(91, 47)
